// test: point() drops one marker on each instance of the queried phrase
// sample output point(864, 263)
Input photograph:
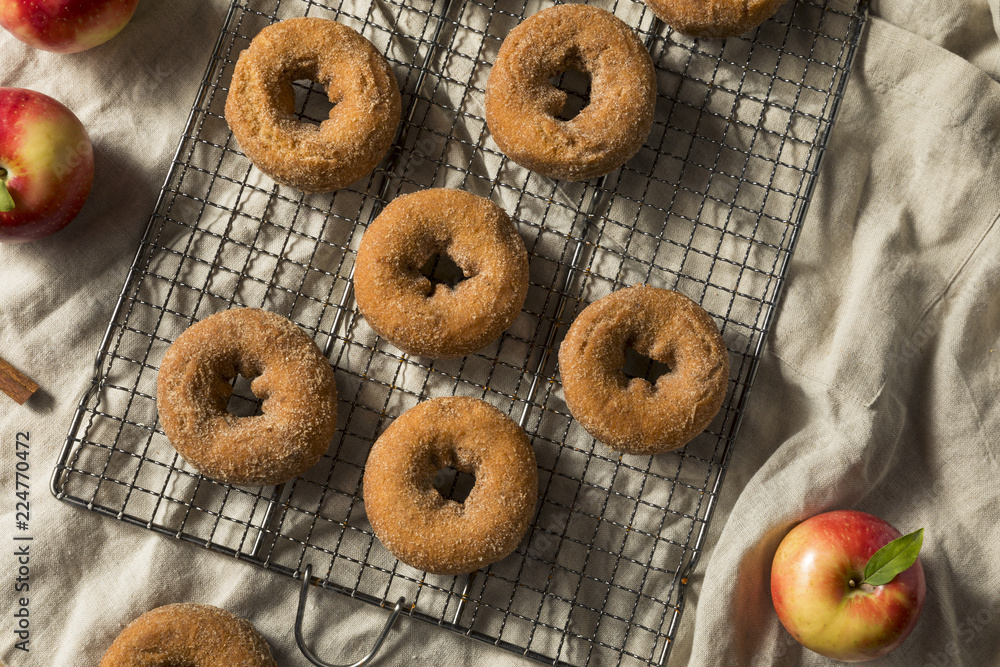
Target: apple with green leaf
point(848, 585)
point(65, 26)
point(46, 165)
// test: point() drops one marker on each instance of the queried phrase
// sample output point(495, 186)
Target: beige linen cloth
point(877, 389)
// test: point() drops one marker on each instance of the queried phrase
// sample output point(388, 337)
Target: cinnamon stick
point(15, 384)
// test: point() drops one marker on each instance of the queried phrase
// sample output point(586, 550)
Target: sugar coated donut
point(412, 519)
point(192, 635)
point(260, 107)
point(289, 373)
point(432, 319)
point(522, 105)
point(632, 415)
point(714, 18)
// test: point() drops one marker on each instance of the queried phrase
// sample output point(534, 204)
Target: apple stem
point(6, 201)
point(853, 583)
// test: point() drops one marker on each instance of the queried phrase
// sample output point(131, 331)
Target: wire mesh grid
point(711, 206)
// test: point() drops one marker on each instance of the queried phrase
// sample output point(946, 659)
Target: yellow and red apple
point(821, 590)
point(65, 26)
point(46, 165)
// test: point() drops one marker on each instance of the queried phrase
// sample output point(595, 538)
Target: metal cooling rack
point(711, 206)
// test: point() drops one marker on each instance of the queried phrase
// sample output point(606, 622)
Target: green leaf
point(6, 201)
point(893, 558)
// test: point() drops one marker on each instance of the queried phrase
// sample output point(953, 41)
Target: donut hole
point(243, 402)
point(640, 367)
point(442, 271)
point(575, 83)
point(453, 484)
point(312, 103)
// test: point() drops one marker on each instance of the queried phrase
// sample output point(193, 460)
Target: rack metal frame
point(712, 206)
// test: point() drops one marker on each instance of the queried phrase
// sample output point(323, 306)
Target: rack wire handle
point(306, 575)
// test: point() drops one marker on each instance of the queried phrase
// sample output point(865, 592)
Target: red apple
point(65, 26)
point(46, 165)
point(821, 595)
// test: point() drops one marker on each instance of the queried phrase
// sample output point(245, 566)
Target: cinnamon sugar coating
point(714, 18)
point(291, 375)
point(418, 525)
point(434, 320)
point(522, 105)
point(192, 635)
point(260, 106)
point(632, 415)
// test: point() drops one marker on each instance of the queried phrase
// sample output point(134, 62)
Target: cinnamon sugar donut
point(434, 320)
point(290, 374)
point(413, 520)
point(522, 106)
point(193, 635)
point(714, 18)
point(634, 416)
point(260, 106)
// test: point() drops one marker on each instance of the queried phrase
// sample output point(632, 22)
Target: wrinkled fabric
point(876, 390)
point(884, 358)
